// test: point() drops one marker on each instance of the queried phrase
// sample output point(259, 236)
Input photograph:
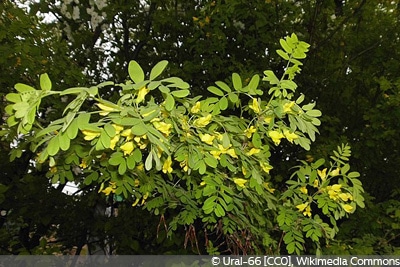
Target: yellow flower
point(203, 121)
point(302, 207)
point(249, 131)
point(244, 171)
point(53, 169)
point(128, 147)
point(288, 107)
point(109, 189)
point(336, 187)
point(128, 134)
point(184, 165)
point(307, 212)
point(202, 183)
point(140, 167)
point(316, 183)
point(216, 154)
point(207, 138)
point(266, 167)
point(290, 136)
point(304, 190)
point(105, 109)
point(195, 18)
point(254, 106)
point(142, 93)
point(167, 165)
point(347, 208)
point(335, 172)
point(196, 107)
point(253, 151)
point(118, 128)
point(266, 185)
point(240, 182)
point(345, 196)
point(90, 135)
point(231, 152)
point(276, 136)
point(83, 164)
point(322, 174)
point(114, 141)
point(145, 197)
point(136, 202)
point(137, 182)
point(163, 127)
point(268, 119)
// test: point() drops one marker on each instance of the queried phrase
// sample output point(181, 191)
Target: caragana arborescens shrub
point(208, 158)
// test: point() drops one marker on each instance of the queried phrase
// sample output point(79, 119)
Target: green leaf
point(253, 84)
point(158, 69)
point(20, 87)
point(45, 82)
point(64, 141)
point(110, 130)
point(137, 155)
point(135, 72)
point(122, 167)
point(116, 159)
point(139, 129)
point(13, 97)
point(314, 113)
point(282, 54)
point(215, 90)
point(237, 82)
point(223, 103)
point(149, 162)
point(233, 97)
point(169, 103)
point(288, 49)
point(180, 93)
point(130, 162)
point(223, 86)
point(53, 146)
point(256, 140)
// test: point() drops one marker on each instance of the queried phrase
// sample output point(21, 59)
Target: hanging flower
point(90, 135)
point(254, 106)
point(141, 94)
point(167, 165)
point(347, 208)
point(290, 136)
point(288, 107)
point(322, 174)
point(203, 121)
point(276, 136)
point(253, 151)
point(105, 109)
point(240, 182)
point(249, 131)
point(207, 138)
point(163, 127)
point(128, 147)
point(196, 107)
point(266, 167)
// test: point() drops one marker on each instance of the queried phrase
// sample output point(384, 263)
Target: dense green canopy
point(351, 72)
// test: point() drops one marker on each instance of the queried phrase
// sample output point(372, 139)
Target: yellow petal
point(167, 166)
point(90, 135)
point(301, 207)
point(196, 107)
point(254, 106)
point(336, 187)
point(266, 167)
point(141, 94)
point(207, 138)
point(304, 190)
point(128, 147)
point(290, 136)
point(335, 172)
point(253, 151)
point(322, 174)
point(249, 131)
point(276, 136)
point(288, 107)
point(347, 208)
point(203, 121)
point(240, 182)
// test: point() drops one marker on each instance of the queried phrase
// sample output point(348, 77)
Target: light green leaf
point(122, 167)
point(53, 146)
point(237, 81)
point(109, 129)
point(223, 103)
point(13, 97)
point(20, 87)
point(139, 129)
point(215, 90)
point(233, 97)
point(158, 69)
point(45, 82)
point(135, 72)
point(169, 103)
point(149, 162)
point(282, 54)
point(180, 93)
point(223, 86)
point(64, 141)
